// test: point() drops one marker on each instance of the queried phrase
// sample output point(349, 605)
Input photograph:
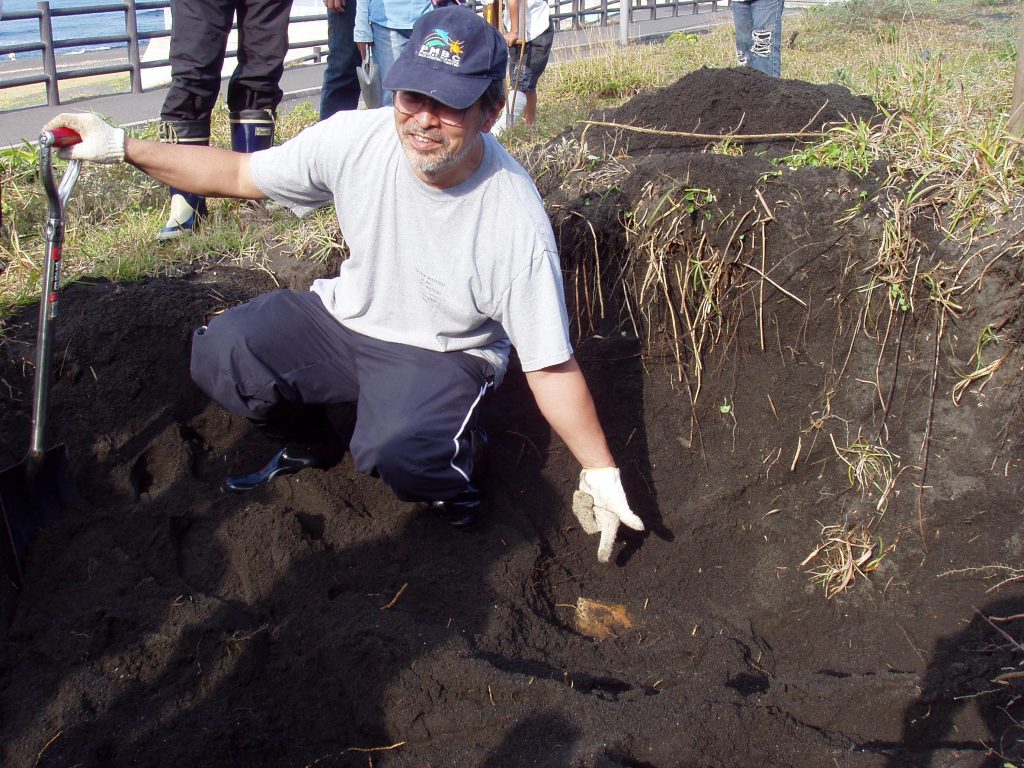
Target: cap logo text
point(439, 46)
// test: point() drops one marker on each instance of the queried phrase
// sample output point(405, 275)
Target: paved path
point(302, 83)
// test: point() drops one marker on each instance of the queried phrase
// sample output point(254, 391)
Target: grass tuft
point(845, 554)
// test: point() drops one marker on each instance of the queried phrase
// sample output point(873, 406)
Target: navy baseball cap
point(451, 56)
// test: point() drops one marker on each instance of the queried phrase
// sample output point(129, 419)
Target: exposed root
point(707, 136)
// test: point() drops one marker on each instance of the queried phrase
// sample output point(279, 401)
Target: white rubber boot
point(187, 211)
point(514, 106)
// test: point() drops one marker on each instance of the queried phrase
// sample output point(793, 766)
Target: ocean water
point(93, 24)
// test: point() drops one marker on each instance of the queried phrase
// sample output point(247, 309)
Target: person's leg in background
point(516, 100)
point(759, 34)
point(199, 33)
point(766, 36)
point(387, 45)
point(341, 85)
point(537, 52)
point(524, 70)
point(743, 23)
point(254, 90)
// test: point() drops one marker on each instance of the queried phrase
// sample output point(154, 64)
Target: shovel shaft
point(57, 197)
point(44, 334)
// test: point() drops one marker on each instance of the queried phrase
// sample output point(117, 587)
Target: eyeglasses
point(412, 103)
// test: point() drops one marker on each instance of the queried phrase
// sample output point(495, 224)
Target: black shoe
point(460, 511)
point(287, 461)
point(478, 441)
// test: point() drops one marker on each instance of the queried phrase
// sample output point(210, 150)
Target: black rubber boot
point(286, 461)
point(310, 443)
point(187, 210)
point(251, 130)
point(462, 510)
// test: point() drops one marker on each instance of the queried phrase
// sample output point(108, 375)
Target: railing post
point(131, 29)
point(49, 60)
point(624, 22)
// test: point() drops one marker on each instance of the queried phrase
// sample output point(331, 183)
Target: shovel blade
point(33, 495)
point(370, 85)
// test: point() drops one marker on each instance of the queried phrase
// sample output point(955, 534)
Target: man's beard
point(440, 161)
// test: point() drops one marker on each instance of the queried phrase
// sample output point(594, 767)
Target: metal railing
point(49, 46)
point(566, 14)
point(580, 14)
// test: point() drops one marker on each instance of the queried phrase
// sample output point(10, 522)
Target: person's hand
point(101, 142)
point(337, 6)
point(363, 48)
point(512, 39)
point(600, 505)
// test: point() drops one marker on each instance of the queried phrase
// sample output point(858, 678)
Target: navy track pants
point(414, 407)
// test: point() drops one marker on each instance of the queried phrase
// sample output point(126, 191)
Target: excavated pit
point(322, 622)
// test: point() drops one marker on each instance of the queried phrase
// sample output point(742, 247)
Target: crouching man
point(452, 261)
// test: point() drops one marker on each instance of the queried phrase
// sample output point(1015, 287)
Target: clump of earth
point(321, 622)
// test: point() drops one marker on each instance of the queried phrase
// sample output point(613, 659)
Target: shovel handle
point(60, 137)
point(57, 195)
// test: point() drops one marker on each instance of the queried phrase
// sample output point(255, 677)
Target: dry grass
point(676, 279)
point(982, 371)
point(844, 555)
point(872, 469)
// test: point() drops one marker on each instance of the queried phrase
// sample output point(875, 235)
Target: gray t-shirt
point(466, 268)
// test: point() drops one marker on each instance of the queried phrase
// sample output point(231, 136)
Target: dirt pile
point(723, 102)
point(321, 622)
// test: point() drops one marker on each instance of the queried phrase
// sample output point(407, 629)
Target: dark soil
point(321, 622)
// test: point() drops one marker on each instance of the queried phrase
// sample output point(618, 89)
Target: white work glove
point(600, 505)
point(101, 142)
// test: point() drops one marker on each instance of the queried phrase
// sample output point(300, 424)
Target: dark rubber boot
point(310, 443)
point(187, 210)
point(286, 461)
point(462, 510)
point(252, 130)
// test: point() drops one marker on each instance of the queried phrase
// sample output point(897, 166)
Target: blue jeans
point(387, 45)
point(341, 86)
point(759, 34)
